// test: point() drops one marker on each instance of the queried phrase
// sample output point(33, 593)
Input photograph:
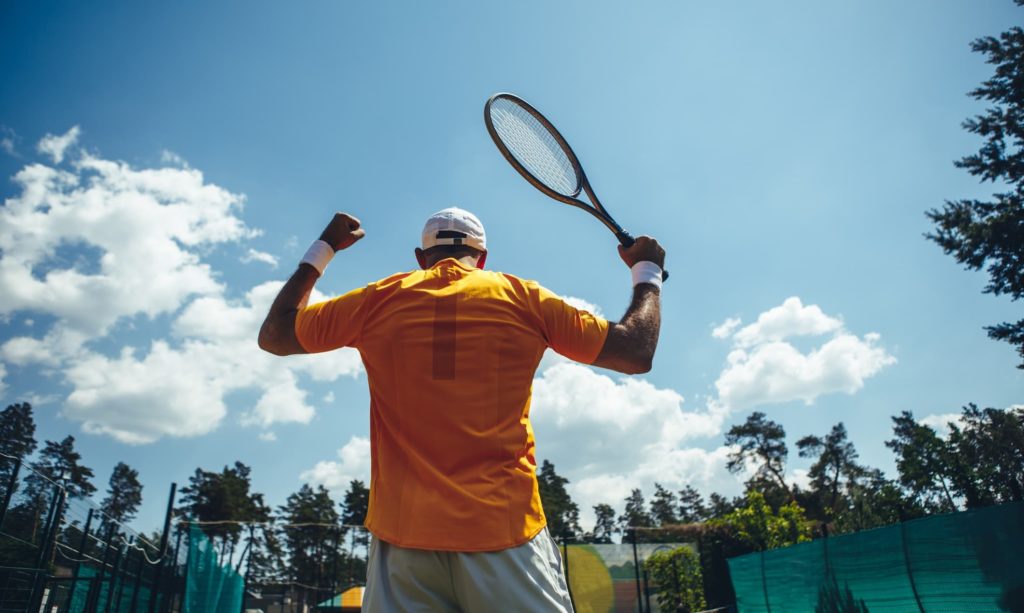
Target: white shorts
point(524, 578)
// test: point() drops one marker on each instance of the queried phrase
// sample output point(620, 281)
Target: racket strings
point(534, 147)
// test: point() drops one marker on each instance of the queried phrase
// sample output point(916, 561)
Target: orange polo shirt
point(450, 354)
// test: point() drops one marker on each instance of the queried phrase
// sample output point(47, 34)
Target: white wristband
point(646, 272)
point(318, 255)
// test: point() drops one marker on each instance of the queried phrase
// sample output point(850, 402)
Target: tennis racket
point(533, 146)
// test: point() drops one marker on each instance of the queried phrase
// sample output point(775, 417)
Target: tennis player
point(450, 352)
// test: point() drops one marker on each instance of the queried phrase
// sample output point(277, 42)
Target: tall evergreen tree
point(923, 463)
point(310, 533)
point(60, 463)
point(124, 494)
point(835, 465)
point(691, 506)
point(604, 524)
point(988, 451)
point(562, 513)
point(663, 507)
point(355, 506)
point(991, 233)
point(223, 496)
point(759, 443)
point(635, 515)
point(17, 438)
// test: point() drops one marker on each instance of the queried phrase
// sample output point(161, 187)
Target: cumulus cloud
point(610, 435)
point(56, 146)
point(8, 141)
point(940, 422)
point(763, 368)
point(253, 255)
point(104, 242)
point(353, 463)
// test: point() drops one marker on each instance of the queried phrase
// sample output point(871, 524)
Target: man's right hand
point(342, 232)
point(645, 249)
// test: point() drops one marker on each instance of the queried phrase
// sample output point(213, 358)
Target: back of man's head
point(452, 233)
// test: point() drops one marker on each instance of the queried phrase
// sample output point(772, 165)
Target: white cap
point(454, 219)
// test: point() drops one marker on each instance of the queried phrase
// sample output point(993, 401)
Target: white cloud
point(799, 477)
point(789, 319)
point(55, 146)
point(940, 422)
point(8, 141)
point(140, 231)
point(268, 436)
point(180, 390)
point(580, 303)
point(353, 463)
point(103, 242)
point(253, 255)
point(3, 375)
point(609, 436)
point(727, 328)
point(763, 369)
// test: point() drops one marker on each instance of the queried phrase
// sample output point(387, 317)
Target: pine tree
point(991, 233)
point(59, 463)
point(124, 494)
point(604, 525)
point(691, 506)
point(562, 513)
point(663, 507)
point(635, 515)
point(17, 438)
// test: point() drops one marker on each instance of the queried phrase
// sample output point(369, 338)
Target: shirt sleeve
point(332, 324)
point(574, 333)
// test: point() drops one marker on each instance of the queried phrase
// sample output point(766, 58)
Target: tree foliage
point(677, 575)
point(17, 437)
point(835, 468)
point(663, 507)
point(124, 494)
point(762, 529)
point(562, 513)
point(691, 506)
point(759, 443)
point(604, 524)
point(990, 234)
point(224, 496)
point(60, 463)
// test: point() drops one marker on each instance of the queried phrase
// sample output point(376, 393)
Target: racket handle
point(626, 240)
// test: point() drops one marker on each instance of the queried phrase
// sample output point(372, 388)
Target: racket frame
point(595, 207)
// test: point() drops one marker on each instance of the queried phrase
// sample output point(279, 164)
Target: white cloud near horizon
point(102, 243)
point(56, 146)
point(353, 463)
point(763, 368)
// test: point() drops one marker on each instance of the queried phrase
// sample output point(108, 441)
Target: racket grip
point(626, 240)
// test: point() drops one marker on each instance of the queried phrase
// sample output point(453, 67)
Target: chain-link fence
point(61, 553)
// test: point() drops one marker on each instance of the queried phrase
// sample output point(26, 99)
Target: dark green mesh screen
point(969, 561)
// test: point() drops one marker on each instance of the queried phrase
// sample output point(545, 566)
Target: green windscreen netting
point(969, 561)
point(209, 587)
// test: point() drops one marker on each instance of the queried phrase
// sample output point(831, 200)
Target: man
point(450, 353)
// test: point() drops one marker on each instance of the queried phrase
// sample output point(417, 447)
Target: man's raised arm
point(629, 347)
point(277, 334)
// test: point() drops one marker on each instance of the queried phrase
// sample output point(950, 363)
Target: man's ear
point(421, 258)
point(483, 258)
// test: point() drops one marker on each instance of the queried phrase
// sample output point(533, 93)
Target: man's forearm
point(277, 335)
point(629, 347)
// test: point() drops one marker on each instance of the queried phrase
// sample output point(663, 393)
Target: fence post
point(155, 588)
point(647, 590)
point(96, 586)
point(43, 560)
point(81, 552)
point(245, 578)
point(139, 571)
point(113, 580)
point(636, 571)
point(168, 601)
point(12, 483)
point(906, 559)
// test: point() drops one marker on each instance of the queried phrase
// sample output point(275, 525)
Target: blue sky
point(783, 153)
